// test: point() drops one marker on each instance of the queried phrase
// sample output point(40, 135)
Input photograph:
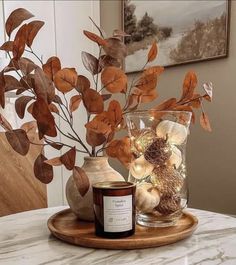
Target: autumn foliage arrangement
point(50, 92)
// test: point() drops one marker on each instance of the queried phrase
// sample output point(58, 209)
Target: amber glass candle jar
point(114, 208)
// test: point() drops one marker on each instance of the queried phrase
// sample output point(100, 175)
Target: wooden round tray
point(65, 226)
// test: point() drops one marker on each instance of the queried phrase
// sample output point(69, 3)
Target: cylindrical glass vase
point(158, 167)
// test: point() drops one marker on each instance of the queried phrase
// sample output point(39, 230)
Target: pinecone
point(158, 152)
point(169, 204)
point(167, 180)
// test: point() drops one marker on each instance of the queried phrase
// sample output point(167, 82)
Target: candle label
point(117, 213)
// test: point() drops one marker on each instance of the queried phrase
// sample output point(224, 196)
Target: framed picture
point(187, 31)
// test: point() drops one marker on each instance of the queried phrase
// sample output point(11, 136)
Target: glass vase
point(158, 166)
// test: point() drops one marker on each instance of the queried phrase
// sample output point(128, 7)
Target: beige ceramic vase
point(97, 170)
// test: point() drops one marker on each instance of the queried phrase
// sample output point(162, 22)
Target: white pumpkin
point(140, 168)
point(147, 197)
point(176, 132)
point(175, 158)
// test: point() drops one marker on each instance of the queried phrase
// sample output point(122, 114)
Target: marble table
point(25, 240)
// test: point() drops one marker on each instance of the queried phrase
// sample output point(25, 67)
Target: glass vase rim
point(143, 113)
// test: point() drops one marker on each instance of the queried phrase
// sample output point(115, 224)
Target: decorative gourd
point(141, 168)
point(147, 197)
point(175, 132)
point(175, 158)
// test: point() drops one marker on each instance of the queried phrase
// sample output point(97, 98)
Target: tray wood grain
point(65, 226)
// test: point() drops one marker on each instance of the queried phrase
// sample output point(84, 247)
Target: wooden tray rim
point(136, 244)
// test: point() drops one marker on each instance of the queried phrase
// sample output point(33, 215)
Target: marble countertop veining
point(25, 240)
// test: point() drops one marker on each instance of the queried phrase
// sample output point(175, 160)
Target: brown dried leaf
point(106, 60)
point(81, 180)
point(21, 104)
point(65, 79)
point(115, 48)
point(57, 99)
point(205, 122)
point(43, 171)
point(11, 83)
point(19, 42)
point(106, 96)
point(31, 130)
point(68, 159)
point(52, 66)
point(43, 86)
point(190, 83)
point(33, 28)
point(44, 118)
point(7, 46)
point(120, 149)
point(56, 161)
point(57, 146)
point(18, 140)
point(147, 82)
point(16, 18)
point(195, 101)
point(91, 63)
point(114, 113)
point(144, 96)
point(100, 124)
point(75, 102)
point(93, 101)
point(95, 139)
point(94, 37)
point(152, 54)
point(154, 70)
point(82, 83)
point(53, 108)
point(2, 89)
point(166, 105)
point(114, 79)
point(26, 65)
point(5, 124)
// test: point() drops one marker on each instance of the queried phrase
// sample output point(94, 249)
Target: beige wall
point(211, 156)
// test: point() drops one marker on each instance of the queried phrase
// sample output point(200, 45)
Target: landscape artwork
point(186, 31)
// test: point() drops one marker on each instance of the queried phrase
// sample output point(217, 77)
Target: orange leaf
point(52, 66)
point(16, 18)
point(100, 124)
point(81, 180)
point(152, 54)
point(93, 101)
point(33, 28)
point(195, 101)
point(114, 79)
point(205, 123)
point(68, 159)
point(74, 102)
point(190, 83)
point(147, 82)
point(144, 96)
point(94, 37)
point(95, 139)
point(82, 83)
point(154, 70)
point(114, 113)
point(166, 105)
point(56, 161)
point(65, 79)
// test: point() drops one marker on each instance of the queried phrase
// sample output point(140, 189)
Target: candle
point(114, 208)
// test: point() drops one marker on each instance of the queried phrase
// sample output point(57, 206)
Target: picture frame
point(194, 37)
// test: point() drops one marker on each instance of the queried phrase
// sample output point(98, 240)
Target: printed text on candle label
point(117, 213)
